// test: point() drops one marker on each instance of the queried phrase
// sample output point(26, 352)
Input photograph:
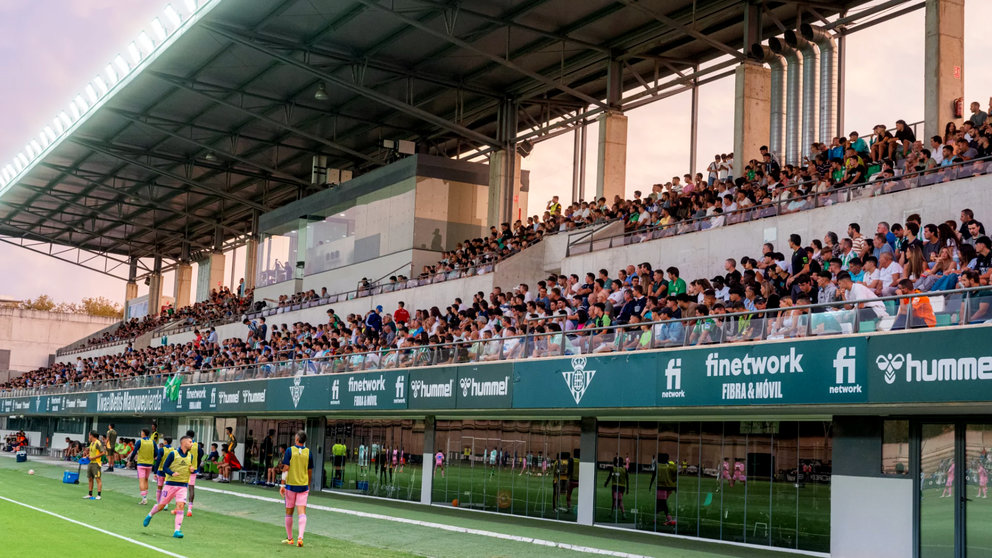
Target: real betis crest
point(296, 390)
point(578, 378)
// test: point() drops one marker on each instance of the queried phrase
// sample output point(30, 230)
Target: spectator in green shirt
point(676, 285)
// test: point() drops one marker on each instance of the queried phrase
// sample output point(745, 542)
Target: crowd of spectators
point(852, 269)
point(885, 163)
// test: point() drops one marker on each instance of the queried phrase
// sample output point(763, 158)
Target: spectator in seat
point(923, 315)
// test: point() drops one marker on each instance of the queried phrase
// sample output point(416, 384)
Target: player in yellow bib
point(160, 456)
point(177, 466)
point(143, 455)
point(297, 466)
point(196, 452)
point(96, 451)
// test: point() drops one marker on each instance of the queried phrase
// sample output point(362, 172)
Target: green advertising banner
point(952, 365)
point(930, 366)
point(812, 372)
point(489, 386)
point(382, 390)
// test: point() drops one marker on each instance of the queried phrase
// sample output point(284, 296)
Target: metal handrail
point(474, 351)
point(774, 209)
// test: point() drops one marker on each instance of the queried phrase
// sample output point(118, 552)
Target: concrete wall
point(701, 254)
point(344, 279)
point(871, 517)
point(33, 336)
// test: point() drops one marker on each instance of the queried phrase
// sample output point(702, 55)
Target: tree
point(100, 306)
point(43, 303)
point(92, 306)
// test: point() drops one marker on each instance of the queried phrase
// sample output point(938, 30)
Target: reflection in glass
point(375, 457)
point(895, 447)
point(937, 473)
point(978, 535)
point(517, 467)
point(813, 480)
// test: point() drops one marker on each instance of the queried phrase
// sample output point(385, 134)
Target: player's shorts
point(192, 479)
point(160, 479)
point(662, 494)
point(296, 499)
point(144, 471)
point(93, 470)
point(563, 485)
point(172, 491)
point(726, 475)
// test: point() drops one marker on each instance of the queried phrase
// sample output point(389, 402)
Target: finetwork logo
point(296, 390)
point(673, 379)
point(336, 392)
point(400, 388)
point(578, 378)
point(934, 370)
point(846, 370)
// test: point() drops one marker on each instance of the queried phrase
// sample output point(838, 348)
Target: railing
point(950, 308)
point(87, 348)
point(813, 200)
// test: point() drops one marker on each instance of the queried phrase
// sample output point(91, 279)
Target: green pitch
point(231, 524)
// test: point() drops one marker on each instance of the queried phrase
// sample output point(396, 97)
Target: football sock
point(302, 524)
point(289, 527)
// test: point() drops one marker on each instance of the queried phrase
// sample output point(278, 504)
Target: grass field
point(238, 520)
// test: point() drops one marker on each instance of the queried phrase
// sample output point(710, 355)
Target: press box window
point(895, 448)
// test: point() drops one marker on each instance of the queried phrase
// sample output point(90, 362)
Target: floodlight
point(321, 93)
point(122, 66)
point(172, 15)
point(146, 43)
point(20, 162)
point(30, 151)
point(81, 103)
point(159, 30)
point(210, 156)
point(9, 169)
point(191, 6)
point(101, 85)
point(134, 53)
point(66, 121)
point(74, 111)
point(36, 147)
point(91, 93)
point(51, 133)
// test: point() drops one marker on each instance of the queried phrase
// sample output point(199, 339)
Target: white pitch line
point(442, 526)
point(88, 526)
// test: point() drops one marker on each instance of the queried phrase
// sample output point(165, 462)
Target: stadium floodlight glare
point(121, 66)
point(172, 16)
point(36, 147)
point(59, 127)
point(101, 85)
point(65, 120)
point(81, 103)
point(29, 150)
point(190, 6)
point(159, 30)
point(74, 111)
point(21, 161)
point(111, 73)
point(50, 133)
point(210, 156)
point(91, 93)
point(146, 44)
point(134, 54)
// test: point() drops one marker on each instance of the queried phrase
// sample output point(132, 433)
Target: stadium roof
point(213, 116)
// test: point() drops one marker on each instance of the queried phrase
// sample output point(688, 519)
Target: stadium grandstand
point(782, 348)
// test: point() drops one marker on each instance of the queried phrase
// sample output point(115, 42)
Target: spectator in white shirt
point(867, 303)
point(890, 274)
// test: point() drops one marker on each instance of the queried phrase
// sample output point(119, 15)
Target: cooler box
point(21, 456)
point(363, 486)
point(70, 477)
point(336, 483)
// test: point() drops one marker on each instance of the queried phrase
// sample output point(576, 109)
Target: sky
point(54, 47)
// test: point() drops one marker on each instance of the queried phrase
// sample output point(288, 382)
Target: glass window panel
point(785, 489)
point(755, 474)
point(895, 447)
point(937, 471)
point(667, 480)
point(687, 495)
point(608, 447)
point(730, 491)
point(978, 536)
point(813, 478)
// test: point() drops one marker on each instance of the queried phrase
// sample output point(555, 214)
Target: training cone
point(454, 502)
